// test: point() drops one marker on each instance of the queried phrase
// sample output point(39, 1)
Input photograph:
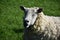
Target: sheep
point(39, 26)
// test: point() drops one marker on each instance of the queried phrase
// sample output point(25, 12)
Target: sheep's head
point(30, 15)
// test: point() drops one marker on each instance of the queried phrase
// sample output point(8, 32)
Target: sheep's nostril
point(26, 21)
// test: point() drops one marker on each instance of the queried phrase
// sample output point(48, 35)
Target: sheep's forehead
point(32, 9)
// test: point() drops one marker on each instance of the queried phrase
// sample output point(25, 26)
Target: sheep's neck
point(38, 26)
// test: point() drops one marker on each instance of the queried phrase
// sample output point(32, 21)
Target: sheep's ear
point(22, 8)
point(39, 10)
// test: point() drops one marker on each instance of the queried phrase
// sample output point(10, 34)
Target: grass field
point(11, 16)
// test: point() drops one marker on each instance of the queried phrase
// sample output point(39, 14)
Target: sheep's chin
point(28, 26)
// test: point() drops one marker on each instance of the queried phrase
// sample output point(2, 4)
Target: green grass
point(11, 16)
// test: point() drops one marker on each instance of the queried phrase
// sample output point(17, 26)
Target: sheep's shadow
point(18, 30)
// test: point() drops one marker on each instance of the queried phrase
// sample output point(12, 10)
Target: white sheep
point(39, 26)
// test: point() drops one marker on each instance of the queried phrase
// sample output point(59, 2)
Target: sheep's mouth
point(26, 25)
